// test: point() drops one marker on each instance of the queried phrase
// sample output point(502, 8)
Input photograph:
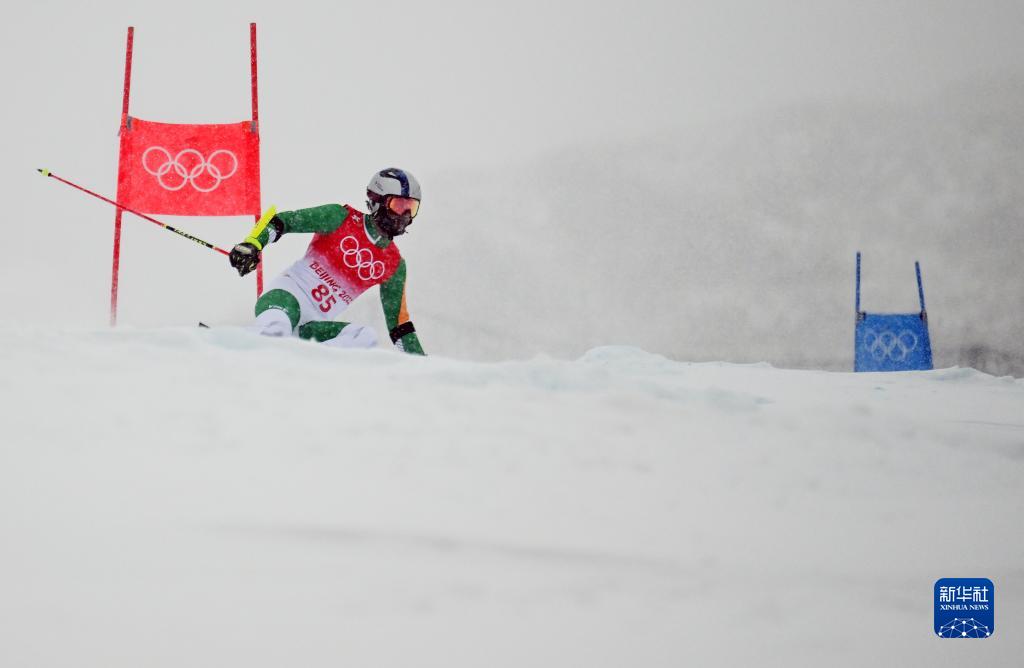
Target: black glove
point(244, 257)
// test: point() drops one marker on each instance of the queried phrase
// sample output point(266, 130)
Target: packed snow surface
point(185, 497)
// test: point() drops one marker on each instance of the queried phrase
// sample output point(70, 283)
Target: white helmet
point(393, 196)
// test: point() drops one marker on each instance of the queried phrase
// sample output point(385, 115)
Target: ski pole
point(46, 172)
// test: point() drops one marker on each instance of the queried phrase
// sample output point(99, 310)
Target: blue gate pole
point(857, 307)
point(920, 287)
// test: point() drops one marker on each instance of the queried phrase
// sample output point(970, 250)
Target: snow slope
point(207, 498)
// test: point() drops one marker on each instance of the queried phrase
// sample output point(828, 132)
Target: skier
point(350, 252)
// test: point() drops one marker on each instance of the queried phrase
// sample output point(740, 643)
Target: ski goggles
point(402, 205)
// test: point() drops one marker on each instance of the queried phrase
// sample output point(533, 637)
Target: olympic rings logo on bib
point(360, 259)
point(190, 167)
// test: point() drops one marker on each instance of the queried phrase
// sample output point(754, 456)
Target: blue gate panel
point(892, 342)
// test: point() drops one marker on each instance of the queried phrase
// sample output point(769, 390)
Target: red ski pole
point(46, 172)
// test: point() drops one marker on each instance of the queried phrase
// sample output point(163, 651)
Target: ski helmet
point(393, 197)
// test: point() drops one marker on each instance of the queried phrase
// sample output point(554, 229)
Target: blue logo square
point(964, 608)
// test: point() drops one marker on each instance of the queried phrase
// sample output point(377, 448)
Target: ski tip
point(44, 172)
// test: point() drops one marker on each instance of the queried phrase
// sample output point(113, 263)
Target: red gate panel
point(189, 170)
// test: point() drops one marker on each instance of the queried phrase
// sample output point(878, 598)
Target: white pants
point(275, 322)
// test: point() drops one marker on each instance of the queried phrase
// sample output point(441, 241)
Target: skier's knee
point(282, 302)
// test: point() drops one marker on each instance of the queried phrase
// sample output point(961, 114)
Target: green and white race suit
point(346, 256)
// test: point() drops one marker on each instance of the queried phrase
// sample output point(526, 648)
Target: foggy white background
point(692, 178)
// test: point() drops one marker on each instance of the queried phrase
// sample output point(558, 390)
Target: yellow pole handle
point(261, 225)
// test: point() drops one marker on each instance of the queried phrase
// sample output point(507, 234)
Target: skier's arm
point(396, 315)
point(324, 218)
point(246, 256)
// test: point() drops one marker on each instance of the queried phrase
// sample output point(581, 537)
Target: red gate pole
point(255, 128)
point(117, 215)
